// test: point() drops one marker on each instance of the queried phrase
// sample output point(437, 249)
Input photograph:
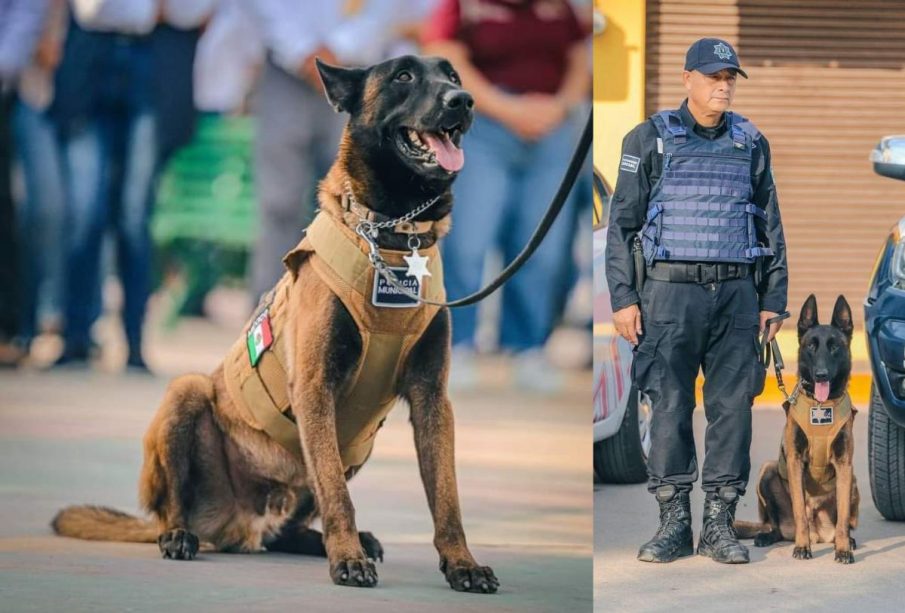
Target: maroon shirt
point(519, 45)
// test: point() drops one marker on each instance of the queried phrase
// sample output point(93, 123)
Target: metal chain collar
point(374, 226)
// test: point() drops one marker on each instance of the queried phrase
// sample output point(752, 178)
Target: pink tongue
point(822, 391)
point(448, 155)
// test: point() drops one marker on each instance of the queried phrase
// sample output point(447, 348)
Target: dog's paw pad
point(355, 573)
point(802, 553)
point(476, 579)
point(178, 545)
point(372, 547)
point(845, 557)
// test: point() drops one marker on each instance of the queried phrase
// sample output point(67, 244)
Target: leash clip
point(773, 346)
point(367, 232)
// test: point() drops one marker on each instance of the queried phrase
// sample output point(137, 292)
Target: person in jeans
point(21, 22)
point(43, 207)
point(106, 111)
point(526, 63)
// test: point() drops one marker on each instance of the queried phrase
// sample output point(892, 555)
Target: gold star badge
point(417, 266)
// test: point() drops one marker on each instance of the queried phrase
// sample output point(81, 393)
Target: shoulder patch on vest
point(387, 295)
point(259, 337)
point(821, 416)
point(629, 163)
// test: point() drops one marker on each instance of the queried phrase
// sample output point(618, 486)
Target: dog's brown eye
point(405, 76)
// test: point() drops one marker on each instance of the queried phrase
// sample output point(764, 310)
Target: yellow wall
point(618, 80)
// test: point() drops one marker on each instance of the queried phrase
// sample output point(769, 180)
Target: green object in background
point(206, 190)
point(205, 215)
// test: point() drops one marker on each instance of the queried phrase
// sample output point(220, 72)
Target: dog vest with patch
point(700, 210)
point(389, 324)
point(820, 423)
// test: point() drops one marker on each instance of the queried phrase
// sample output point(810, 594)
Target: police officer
point(695, 198)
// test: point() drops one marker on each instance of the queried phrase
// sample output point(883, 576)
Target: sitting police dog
point(245, 458)
point(810, 495)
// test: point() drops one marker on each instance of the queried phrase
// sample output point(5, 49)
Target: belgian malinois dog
point(810, 494)
point(208, 477)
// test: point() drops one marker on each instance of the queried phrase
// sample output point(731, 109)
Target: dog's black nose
point(822, 375)
point(457, 98)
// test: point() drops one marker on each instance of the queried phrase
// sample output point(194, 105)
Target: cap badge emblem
point(722, 51)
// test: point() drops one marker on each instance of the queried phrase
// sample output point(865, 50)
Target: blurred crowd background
point(158, 150)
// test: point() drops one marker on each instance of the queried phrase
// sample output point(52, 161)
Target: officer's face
point(711, 91)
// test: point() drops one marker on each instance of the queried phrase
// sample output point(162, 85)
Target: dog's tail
point(749, 529)
point(95, 523)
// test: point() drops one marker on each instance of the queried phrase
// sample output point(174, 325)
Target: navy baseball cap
point(711, 55)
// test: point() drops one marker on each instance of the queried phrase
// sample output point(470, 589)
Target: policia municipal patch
point(629, 163)
point(387, 295)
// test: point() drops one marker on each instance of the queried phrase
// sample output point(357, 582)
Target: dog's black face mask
point(824, 352)
point(407, 119)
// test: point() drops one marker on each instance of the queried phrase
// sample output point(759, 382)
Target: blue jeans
point(500, 196)
point(110, 162)
point(41, 218)
point(100, 197)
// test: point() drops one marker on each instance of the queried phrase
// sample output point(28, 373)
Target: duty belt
point(680, 272)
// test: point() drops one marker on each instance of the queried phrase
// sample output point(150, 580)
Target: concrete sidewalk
point(626, 517)
point(524, 470)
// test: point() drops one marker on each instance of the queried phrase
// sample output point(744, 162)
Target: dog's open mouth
point(434, 148)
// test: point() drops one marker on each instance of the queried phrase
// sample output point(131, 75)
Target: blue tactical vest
point(700, 210)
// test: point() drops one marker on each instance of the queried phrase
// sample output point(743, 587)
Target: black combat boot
point(673, 538)
point(718, 537)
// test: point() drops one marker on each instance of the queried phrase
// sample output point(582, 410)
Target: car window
point(602, 196)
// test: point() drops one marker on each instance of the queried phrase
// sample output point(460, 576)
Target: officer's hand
point(774, 327)
point(628, 323)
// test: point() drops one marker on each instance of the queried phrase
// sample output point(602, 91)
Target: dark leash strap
point(556, 205)
point(766, 348)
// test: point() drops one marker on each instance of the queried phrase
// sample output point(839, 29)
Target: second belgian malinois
point(810, 495)
point(247, 457)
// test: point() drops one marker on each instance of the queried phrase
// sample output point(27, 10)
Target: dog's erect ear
point(343, 86)
point(842, 317)
point(808, 317)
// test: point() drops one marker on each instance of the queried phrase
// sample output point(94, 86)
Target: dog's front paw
point(372, 547)
point(178, 545)
point(354, 572)
point(802, 553)
point(477, 579)
point(845, 557)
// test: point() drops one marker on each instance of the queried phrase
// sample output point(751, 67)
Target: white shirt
point(228, 54)
point(293, 29)
point(140, 16)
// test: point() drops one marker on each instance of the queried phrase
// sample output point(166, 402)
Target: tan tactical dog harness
point(821, 423)
point(389, 325)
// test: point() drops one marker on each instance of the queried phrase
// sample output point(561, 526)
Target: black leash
point(581, 151)
point(765, 351)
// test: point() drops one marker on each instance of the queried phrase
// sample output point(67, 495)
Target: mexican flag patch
point(259, 337)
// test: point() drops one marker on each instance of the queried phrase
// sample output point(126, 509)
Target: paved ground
point(626, 516)
point(69, 437)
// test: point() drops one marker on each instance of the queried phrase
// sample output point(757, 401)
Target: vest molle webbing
point(387, 333)
point(700, 210)
point(821, 423)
